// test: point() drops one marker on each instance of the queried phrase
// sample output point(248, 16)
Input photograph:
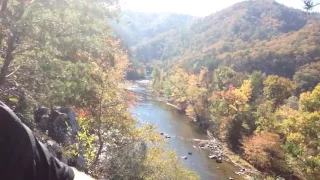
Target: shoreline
point(243, 167)
point(228, 155)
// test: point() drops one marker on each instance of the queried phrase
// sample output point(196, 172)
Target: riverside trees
point(63, 53)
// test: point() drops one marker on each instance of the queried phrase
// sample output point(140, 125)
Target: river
point(182, 132)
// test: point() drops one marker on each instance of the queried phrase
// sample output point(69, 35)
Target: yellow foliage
point(162, 164)
point(310, 101)
point(242, 96)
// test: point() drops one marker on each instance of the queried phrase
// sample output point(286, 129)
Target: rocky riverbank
point(218, 151)
point(220, 154)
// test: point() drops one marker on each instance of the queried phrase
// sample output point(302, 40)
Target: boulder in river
point(184, 157)
point(190, 153)
point(168, 137)
point(219, 159)
point(231, 178)
point(161, 133)
point(213, 157)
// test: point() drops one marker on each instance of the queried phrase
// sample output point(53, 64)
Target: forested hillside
point(250, 75)
point(135, 27)
point(233, 35)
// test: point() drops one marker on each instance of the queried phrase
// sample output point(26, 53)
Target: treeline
point(271, 121)
point(62, 53)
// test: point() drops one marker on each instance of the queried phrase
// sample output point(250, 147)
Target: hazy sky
point(192, 7)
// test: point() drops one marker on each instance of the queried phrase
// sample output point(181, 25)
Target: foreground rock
point(59, 122)
point(59, 127)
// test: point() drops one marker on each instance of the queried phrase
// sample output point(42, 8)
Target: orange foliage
point(82, 113)
point(130, 98)
point(262, 149)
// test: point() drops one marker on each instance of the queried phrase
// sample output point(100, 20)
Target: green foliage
point(166, 165)
point(14, 100)
point(63, 53)
point(222, 77)
point(256, 79)
point(277, 89)
point(310, 101)
point(307, 76)
point(137, 70)
point(266, 119)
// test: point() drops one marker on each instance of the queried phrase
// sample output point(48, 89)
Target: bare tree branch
point(310, 4)
point(17, 68)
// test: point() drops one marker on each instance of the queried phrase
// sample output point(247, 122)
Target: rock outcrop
point(59, 122)
point(61, 126)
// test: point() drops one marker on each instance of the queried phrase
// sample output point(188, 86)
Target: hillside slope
point(134, 27)
point(229, 35)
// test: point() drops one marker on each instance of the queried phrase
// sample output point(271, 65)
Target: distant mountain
point(232, 37)
point(135, 27)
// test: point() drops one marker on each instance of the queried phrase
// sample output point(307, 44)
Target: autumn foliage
point(263, 149)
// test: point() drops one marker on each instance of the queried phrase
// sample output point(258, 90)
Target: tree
point(222, 77)
point(277, 89)
point(162, 164)
point(256, 79)
point(301, 131)
point(233, 100)
point(179, 79)
point(310, 101)
point(230, 107)
point(310, 4)
point(35, 28)
point(3, 5)
point(156, 78)
point(12, 23)
point(195, 96)
point(307, 77)
point(263, 150)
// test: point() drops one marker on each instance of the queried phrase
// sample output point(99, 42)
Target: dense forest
point(63, 53)
point(250, 75)
point(132, 28)
point(233, 36)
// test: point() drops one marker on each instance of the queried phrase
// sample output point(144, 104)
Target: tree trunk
point(8, 57)
point(3, 5)
point(99, 130)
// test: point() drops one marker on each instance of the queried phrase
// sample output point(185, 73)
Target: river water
point(182, 132)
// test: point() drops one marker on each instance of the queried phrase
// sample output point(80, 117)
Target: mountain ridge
point(228, 30)
point(134, 27)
